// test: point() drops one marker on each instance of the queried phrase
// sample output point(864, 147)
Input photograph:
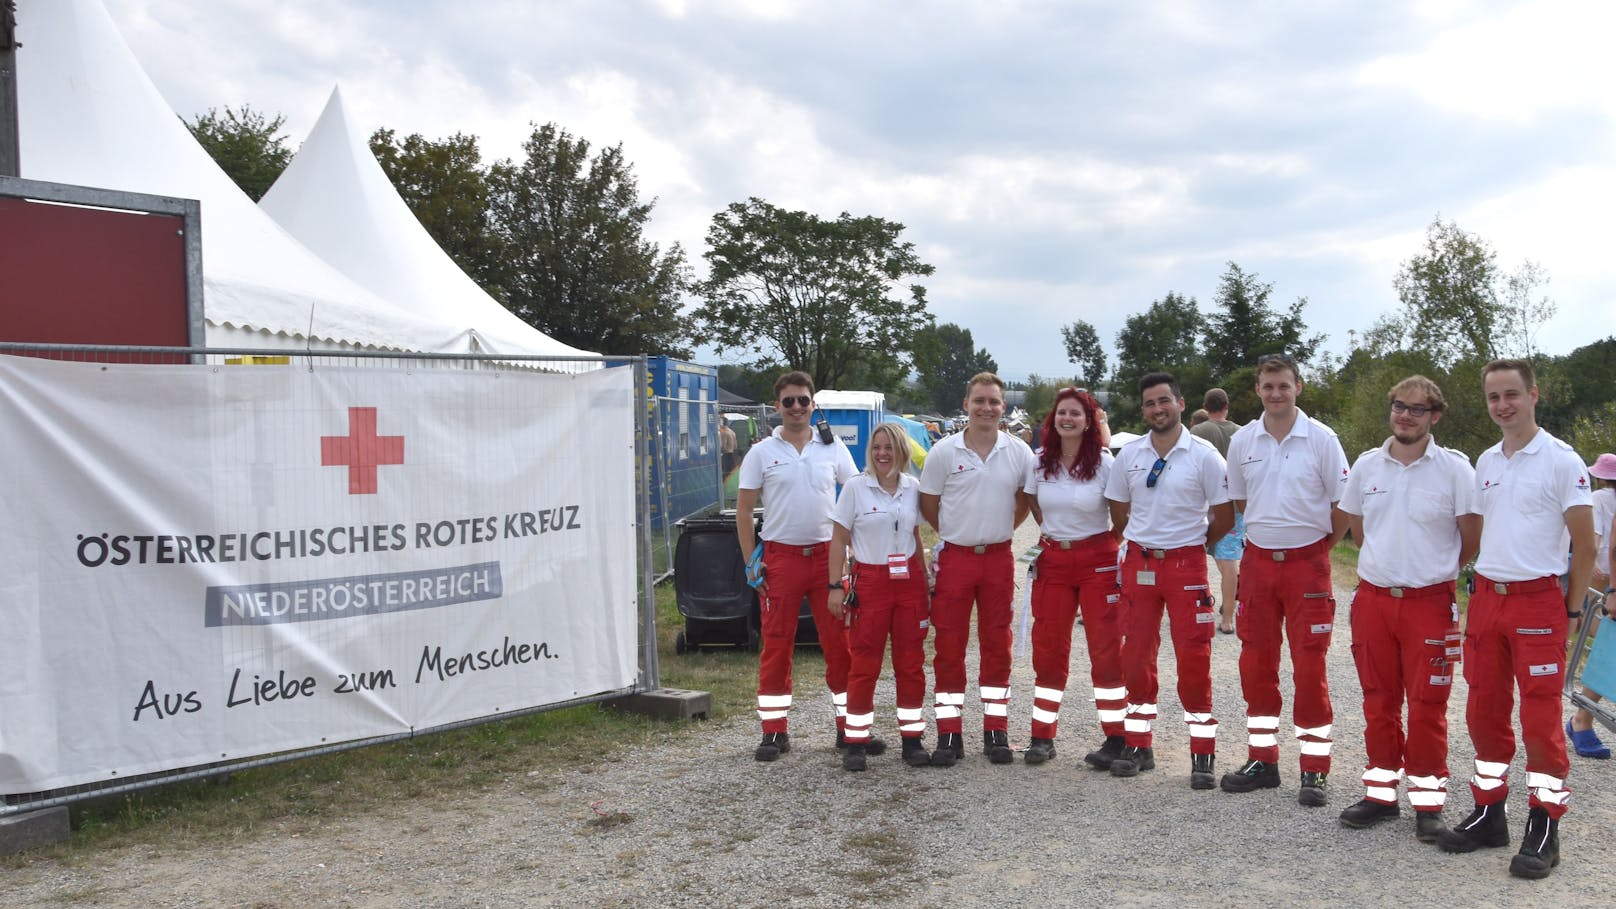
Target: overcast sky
point(1055, 161)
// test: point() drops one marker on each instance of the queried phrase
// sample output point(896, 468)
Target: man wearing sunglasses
point(1168, 497)
point(1411, 507)
point(797, 475)
point(1286, 472)
point(970, 491)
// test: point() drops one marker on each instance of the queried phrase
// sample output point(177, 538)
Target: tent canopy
point(335, 198)
point(89, 115)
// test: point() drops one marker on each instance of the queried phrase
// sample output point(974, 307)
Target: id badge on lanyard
point(897, 565)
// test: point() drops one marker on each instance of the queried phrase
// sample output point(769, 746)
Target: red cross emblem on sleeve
point(361, 451)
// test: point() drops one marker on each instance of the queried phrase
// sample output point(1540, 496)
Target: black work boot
point(1540, 846)
point(1109, 750)
point(1486, 826)
point(873, 745)
point(1253, 776)
point(996, 745)
point(1201, 771)
point(853, 758)
point(1311, 795)
point(1368, 813)
point(1132, 760)
point(773, 745)
point(1039, 751)
point(1428, 826)
point(915, 753)
point(950, 748)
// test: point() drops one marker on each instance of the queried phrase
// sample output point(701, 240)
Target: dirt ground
point(694, 821)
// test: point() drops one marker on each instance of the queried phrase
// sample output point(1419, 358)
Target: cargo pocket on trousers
point(1318, 622)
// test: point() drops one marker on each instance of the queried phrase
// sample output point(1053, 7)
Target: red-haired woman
point(1078, 566)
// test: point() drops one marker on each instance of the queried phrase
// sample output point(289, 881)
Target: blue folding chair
point(1598, 672)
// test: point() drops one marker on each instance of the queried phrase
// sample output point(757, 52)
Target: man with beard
point(1410, 505)
point(1168, 498)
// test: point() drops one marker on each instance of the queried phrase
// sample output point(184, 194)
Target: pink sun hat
point(1604, 467)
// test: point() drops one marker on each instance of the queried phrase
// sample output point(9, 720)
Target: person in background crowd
point(796, 473)
point(1076, 568)
point(1198, 417)
point(970, 491)
point(1580, 728)
point(726, 446)
point(1219, 429)
point(1286, 472)
point(1534, 500)
point(1411, 507)
point(883, 593)
point(1169, 503)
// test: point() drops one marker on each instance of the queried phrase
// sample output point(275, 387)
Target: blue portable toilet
point(852, 415)
point(684, 466)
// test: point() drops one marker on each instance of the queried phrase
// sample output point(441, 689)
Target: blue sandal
point(1587, 742)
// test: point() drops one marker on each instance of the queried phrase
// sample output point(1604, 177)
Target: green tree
point(945, 359)
point(1167, 336)
point(1450, 291)
point(1244, 326)
point(581, 269)
point(1084, 350)
point(815, 294)
point(445, 185)
point(246, 144)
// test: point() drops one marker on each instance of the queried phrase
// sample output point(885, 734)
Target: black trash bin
point(709, 581)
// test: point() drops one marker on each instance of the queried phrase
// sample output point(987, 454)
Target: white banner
point(207, 563)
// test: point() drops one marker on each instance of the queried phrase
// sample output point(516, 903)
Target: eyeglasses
point(1418, 410)
point(802, 401)
point(1155, 473)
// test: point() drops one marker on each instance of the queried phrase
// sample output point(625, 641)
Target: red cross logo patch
point(361, 451)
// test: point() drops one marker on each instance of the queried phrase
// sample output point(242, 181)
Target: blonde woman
point(882, 593)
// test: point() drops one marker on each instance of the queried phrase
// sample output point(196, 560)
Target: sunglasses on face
point(1155, 473)
point(802, 401)
point(1418, 410)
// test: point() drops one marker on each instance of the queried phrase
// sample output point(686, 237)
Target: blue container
point(853, 415)
point(684, 461)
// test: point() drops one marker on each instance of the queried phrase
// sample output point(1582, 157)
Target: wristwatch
point(836, 586)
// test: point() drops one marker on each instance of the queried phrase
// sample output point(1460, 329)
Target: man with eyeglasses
point(1536, 504)
point(970, 491)
point(1168, 496)
point(1411, 506)
point(1286, 472)
point(797, 475)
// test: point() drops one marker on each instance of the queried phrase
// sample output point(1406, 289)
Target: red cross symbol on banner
point(361, 450)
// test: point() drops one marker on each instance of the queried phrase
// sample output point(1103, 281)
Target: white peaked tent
point(89, 115)
point(337, 200)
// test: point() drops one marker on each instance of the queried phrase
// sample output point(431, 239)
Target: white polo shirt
point(1173, 513)
point(1072, 508)
point(1523, 501)
point(978, 497)
point(1604, 513)
point(799, 490)
point(1288, 484)
point(881, 525)
point(1410, 514)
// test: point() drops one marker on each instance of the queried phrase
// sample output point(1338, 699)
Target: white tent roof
point(89, 115)
point(338, 201)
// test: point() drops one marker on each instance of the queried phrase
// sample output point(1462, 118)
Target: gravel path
point(694, 821)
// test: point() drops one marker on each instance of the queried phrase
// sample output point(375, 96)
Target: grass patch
point(304, 793)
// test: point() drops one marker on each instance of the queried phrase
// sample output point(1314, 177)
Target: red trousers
point(1287, 598)
point(988, 580)
point(1405, 649)
point(895, 608)
point(1176, 584)
point(1517, 639)
point(1084, 575)
point(791, 575)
